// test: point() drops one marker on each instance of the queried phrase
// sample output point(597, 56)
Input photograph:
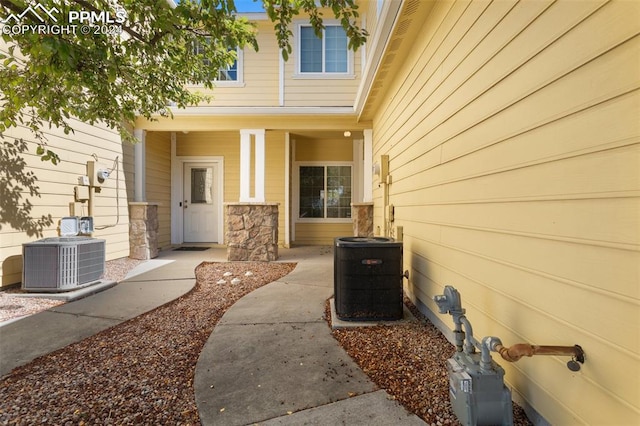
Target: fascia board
point(389, 16)
point(213, 111)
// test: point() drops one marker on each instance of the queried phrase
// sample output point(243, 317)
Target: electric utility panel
point(478, 397)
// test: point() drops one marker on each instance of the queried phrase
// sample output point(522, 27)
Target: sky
point(249, 6)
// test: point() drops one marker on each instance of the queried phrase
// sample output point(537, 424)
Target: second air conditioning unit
point(62, 263)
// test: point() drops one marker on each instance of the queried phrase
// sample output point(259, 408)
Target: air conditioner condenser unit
point(62, 263)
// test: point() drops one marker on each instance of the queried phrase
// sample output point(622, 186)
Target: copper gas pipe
point(517, 351)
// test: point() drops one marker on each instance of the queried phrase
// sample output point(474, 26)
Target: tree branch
point(133, 33)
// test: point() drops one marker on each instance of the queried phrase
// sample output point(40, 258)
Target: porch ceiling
point(304, 125)
point(327, 134)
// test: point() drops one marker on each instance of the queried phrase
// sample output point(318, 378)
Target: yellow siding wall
point(309, 149)
point(261, 75)
point(56, 185)
point(321, 233)
point(158, 181)
point(300, 91)
point(514, 143)
point(368, 9)
point(330, 91)
point(227, 145)
point(223, 144)
point(275, 176)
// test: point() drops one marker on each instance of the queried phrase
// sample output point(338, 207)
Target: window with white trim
point(328, 55)
point(324, 192)
point(232, 73)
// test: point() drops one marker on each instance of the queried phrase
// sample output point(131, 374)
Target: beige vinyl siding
point(320, 150)
point(274, 190)
point(321, 233)
point(301, 92)
point(227, 145)
point(325, 91)
point(260, 85)
point(158, 181)
point(56, 182)
point(369, 12)
point(222, 144)
point(310, 149)
point(514, 143)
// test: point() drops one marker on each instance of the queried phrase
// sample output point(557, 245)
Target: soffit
point(409, 23)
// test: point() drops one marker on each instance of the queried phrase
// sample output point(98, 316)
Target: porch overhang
point(270, 118)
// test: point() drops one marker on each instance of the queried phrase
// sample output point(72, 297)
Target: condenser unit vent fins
point(62, 264)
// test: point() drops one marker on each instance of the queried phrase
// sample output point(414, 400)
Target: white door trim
point(177, 196)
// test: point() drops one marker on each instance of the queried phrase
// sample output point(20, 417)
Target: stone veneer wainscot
point(362, 214)
point(252, 231)
point(143, 230)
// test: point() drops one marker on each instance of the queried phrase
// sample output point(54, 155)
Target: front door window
point(202, 185)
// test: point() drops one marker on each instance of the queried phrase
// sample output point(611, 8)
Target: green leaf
point(113, 79)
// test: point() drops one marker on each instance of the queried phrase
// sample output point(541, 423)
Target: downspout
point(287, 190)
point(139, 165)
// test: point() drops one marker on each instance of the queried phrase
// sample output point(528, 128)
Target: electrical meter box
point(478, 396)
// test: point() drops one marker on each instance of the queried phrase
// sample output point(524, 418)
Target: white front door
point(199, 203)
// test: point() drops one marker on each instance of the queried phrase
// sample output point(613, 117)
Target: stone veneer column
point(143, 230)
point(362, 216)
point(252, 231)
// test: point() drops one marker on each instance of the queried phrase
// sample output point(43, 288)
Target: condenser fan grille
point(60, 264)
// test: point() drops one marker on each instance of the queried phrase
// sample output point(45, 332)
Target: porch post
point(367, 195)
point(252, 146)
point(139, 194)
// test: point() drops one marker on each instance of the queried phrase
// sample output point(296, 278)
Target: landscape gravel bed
point(139, 372)
point(408, 359)
point(13, 303)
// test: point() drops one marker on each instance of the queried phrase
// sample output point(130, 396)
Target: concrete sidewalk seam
point(131, 280)
point(119, 320)
point(240, 324)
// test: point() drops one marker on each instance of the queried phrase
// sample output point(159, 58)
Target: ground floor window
point(325, 192)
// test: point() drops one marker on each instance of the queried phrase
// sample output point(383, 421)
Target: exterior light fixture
point(347, 133)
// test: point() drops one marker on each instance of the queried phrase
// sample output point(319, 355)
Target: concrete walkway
point(150, 285)
point(270, 360)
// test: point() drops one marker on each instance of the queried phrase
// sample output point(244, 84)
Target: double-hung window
point(325, 192)
point(326, 56)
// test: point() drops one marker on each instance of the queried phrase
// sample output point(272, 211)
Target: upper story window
point(231, 74)
point(326, 56)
